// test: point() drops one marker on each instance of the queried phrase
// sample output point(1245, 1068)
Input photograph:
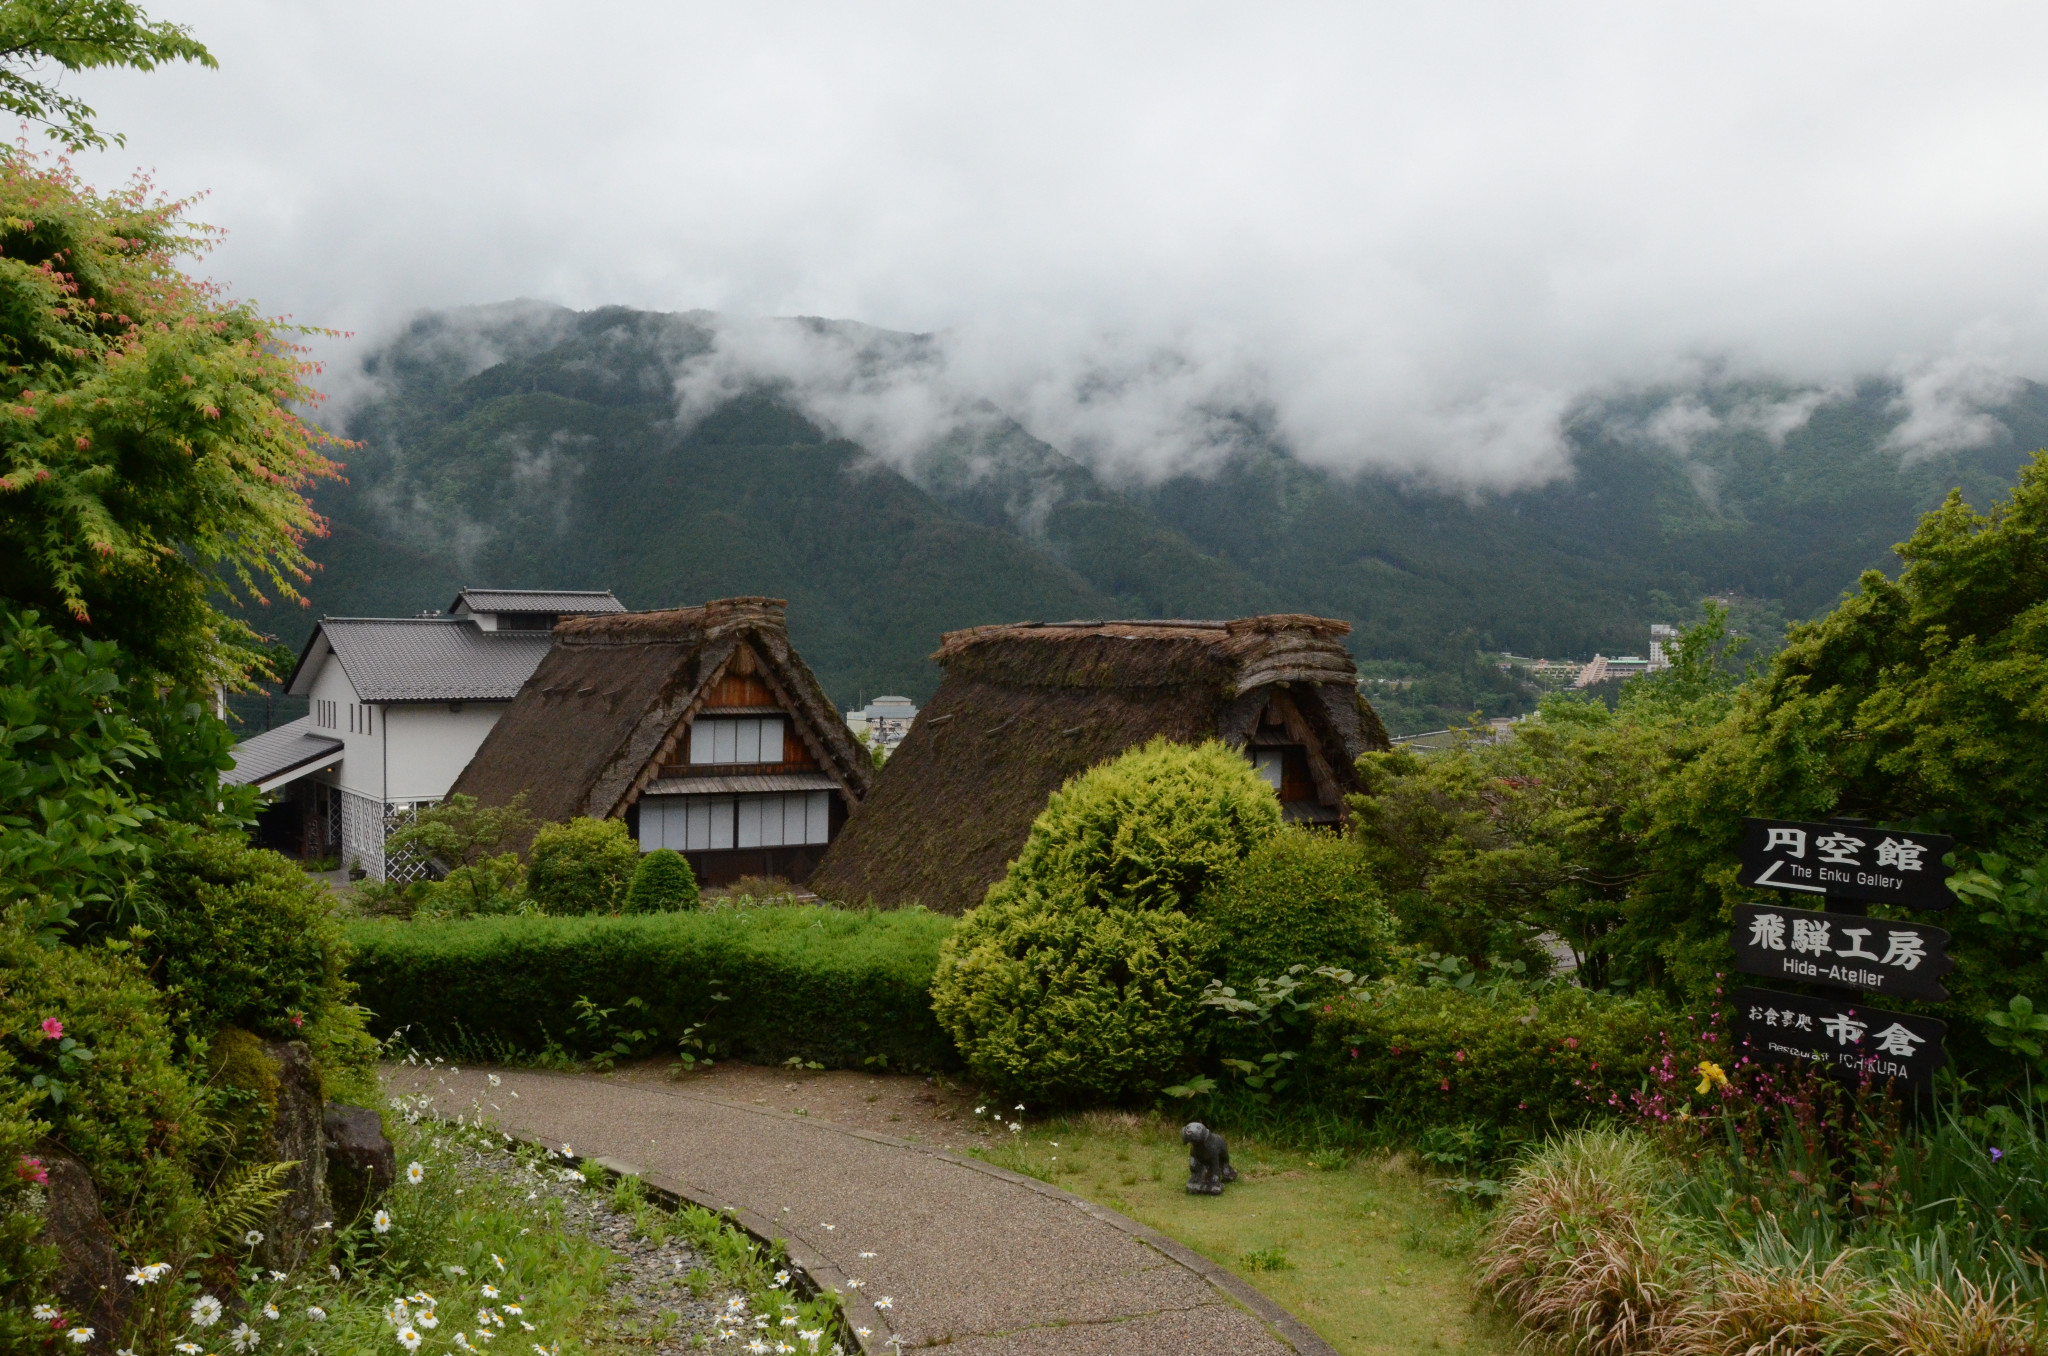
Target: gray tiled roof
point(291, 745)
point(394, 659)
point(538, 600)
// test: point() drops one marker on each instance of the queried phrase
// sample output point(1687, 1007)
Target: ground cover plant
point(838, 987)
point(1354, 1241)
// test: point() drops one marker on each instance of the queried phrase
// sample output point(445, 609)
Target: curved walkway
point(983, 1261)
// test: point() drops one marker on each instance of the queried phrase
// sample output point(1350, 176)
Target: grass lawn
point(1359, 1248)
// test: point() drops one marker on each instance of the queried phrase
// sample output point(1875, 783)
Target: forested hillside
point(527, 445)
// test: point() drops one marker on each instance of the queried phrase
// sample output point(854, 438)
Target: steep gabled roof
point(583, 602)
point(586, 734)
point(402, 659)
point(1022, 708)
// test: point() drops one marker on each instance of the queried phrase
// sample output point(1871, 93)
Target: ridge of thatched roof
point(1023, 707)
point(585, 733)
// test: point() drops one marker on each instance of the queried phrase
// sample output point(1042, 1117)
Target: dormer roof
point(559, 602)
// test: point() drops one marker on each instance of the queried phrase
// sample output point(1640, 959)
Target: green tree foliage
point(1488, 846)
point(1077, 977)
point(662, 883)
point(1302, 897)
point(79, 35)
point(583, 866)
point(98, 771)
point(1919, 702)
point(150, 453)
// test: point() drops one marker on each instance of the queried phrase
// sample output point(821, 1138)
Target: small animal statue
point(1208, 1160)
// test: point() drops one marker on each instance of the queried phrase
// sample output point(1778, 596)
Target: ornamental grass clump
point(1078, 976)
point(1580, 1255)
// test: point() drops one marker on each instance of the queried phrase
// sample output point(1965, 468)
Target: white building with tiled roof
point(398, 706)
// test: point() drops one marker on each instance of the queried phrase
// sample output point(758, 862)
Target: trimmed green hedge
point(838, 986)
point(1516, 1056)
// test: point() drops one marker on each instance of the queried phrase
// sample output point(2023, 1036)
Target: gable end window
point(722, 740)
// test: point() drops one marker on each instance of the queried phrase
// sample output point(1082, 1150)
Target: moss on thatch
point(1022, 708)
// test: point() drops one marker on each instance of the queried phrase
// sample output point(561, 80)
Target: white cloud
point(1410, 236)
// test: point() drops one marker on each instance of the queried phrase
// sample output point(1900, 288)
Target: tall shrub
point(661, 883)
point(1302, 897)
point(1076, 978)
point(583, 866)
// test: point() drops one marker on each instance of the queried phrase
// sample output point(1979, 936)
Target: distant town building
point(884, 721)
point(1604, 669)
point(398, 706)
point(1661, 636)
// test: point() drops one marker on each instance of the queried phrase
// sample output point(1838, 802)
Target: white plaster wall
point(362, 757)
point(426, 745)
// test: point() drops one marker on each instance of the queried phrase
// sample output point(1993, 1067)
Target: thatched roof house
point(1023, 708)
point(698, 726)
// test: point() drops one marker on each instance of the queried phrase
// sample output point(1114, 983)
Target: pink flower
point(1460, 1057)
point(1447, 1085)
point(32, 1170)
point(1571, 1042)
point(296, 1020)
point(53, 1028)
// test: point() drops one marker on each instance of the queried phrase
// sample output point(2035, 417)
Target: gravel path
point(654, 1308)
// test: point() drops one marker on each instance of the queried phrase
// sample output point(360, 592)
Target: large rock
point(89, 1280)
point(296, 1137)
point(361, 1164)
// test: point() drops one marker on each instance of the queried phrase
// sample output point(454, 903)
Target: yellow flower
point(1711, 1077)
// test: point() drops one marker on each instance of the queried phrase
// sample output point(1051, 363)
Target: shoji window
point(1269, 763)
point(745, 740)
point(719, 823)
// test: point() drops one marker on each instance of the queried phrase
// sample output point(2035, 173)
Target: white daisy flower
point(205, 1311)
point(80, 1336)
point(408, 1338)
point(885, 1303)
point(414, 1173)
point(456, 1271)
point(495, 1080)
point(333, 1271)
point(188, 1348)
point(426, 1319)
point(499, 1260)
point(381, 1222)
point(316, 1313)
point(490, 1291)
point(270, 1311)
point(781, 1278)
point(867, 1254)
point(244, 1338)
point(253, 1237)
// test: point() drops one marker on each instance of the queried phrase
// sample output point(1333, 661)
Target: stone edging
point(860, 1313)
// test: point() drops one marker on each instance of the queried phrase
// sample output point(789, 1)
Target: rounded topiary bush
point(582, 866)
point(1077, 977)
point(662, 883)
point(242, 937)
point(1147, 830)
point(1302, 897)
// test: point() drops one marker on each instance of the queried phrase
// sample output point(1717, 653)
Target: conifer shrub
point(1302, 897)
point(583, 866)
point(1077, 977)
point(1514, 1055)
point(662, 883)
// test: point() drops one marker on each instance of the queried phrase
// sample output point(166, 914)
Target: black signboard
point(1842, 951)
point(1839, 1034)
point(1847, 861)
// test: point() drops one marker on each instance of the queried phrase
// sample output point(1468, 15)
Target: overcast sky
point(1415, 233)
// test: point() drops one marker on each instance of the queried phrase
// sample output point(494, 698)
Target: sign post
point(1844, 866)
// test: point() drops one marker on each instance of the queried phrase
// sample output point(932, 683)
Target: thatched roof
point(587, 733)
point(1023, 708)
